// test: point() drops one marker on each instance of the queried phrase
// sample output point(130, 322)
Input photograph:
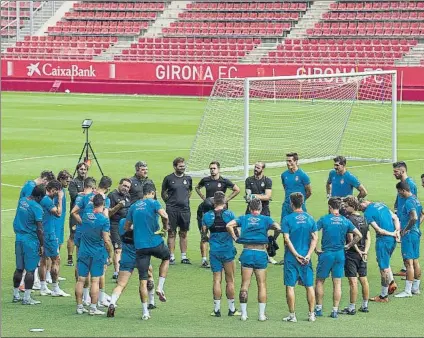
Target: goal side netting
point(318, 116)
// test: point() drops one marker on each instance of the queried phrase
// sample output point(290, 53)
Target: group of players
point(122, 226)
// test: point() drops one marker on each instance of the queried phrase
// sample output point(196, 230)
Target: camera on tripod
point(86, 123)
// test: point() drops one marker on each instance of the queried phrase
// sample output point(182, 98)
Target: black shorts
point(114, 236)
point(355, 266)
point(179, 219)
point(72, 226)
point(143, 258)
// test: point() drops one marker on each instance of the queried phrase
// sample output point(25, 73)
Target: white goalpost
point(318, 116)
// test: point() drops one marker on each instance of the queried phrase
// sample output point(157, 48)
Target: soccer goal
point(318, 116)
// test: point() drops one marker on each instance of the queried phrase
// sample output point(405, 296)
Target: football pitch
point(43, 131)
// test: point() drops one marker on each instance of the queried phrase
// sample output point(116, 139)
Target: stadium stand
point(349, 32)
point(378, 32)
point(8, 19)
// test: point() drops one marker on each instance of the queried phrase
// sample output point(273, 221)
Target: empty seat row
point(248, 16)
point(183, 52)
point(338, 61)
point(336, 54)
point(22, 4)
point(242, 25)
point(358, 42)
point(192, 46)
point(28, 56)
point(370, 24)
point(366, 32)
point(246, 6)
point(222, 31)
point(94, 30)
point(66, 51)
point(103, 24)
point(188, 40)
point(373, 16)
point(111, 15)
point(109, 39)
point(122, 6)
point(342, 48)
point(176, 58)
point(52, 44)
point(12, 14)
point(377, 5)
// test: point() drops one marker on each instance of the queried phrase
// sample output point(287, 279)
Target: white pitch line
point(104, 152)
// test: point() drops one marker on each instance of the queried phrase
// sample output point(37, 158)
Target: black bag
point(272, 246)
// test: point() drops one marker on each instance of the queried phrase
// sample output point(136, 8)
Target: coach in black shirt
point(176, 192)
point(75, 187)
point(213, 183)
point(259, 186)
point(119, 205)
point(139, 180)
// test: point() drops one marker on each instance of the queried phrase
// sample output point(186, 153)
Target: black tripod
point(87, 148)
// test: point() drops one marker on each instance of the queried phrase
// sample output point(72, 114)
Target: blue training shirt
point(60, 221)
point(49, 219)
point(400, 201)
point(27, 189)
point(28, 213)
point(254, 229)
point(144, 216)
point(91, 242)
point(342, 185)
point(220, 239)
point(380, 214)
point(294, 182)
point(299, 226)
point(411, 203)
point(334, 230)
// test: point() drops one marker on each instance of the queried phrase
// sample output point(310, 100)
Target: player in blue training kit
point(64, 177)
point(51, 244)
point(28, 228)
point(142, 218)
point(221, 252)
point(411, 217)
point(341, 182)
point(45, 177)
point(400, 172)
point(127, 264)
point(386, 225)
point(94, 246)
point(300, 236)
point(331, 257)
point(254, 258)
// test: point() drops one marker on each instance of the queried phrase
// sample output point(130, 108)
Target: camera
point(86, 123)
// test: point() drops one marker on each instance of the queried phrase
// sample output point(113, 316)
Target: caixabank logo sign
point(47, 69)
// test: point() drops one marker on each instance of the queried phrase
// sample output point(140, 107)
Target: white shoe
point(86, 302)
point(272, 260)
point(60, 293)
point(108, 298)
point(104, 303)
point(262, 318)
point(291, 319)
point(49, 280)
point(36, 286)
point(416, 292)
point(243, 318)
point(61, 279)
point(96, 312)
point(45, 292)
point(81, 310)
point(145, 316)
point(403, 295)
point(312, 317)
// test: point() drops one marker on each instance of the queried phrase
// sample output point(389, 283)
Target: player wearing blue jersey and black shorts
point(142, 218)
point(300, 236)
point(95, 247)
point(213, 183)
point(51, 243)
point(254, 258)
point(411, 217)
point(400, 172)
point(340, 182)
point(387, 227)
point(331, 256)
point(221, 253)
point(28, 228)
point(294, 179)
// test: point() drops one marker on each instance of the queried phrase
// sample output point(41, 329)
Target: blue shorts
point(254, 259)
point(128, 259)
point(26, 253)
point(219, 258)
point(293, 271)
point(59, 231)
point(51, 245)
point(384, 250)
point(93, 265)
point(410, 246)
point(331, 261)
point(287, 210)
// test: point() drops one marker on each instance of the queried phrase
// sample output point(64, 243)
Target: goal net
point(317, 116)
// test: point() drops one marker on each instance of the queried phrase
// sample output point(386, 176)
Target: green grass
point(41, 131)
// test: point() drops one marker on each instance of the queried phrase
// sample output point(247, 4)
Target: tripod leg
point(79, 160)
point(95, 158)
